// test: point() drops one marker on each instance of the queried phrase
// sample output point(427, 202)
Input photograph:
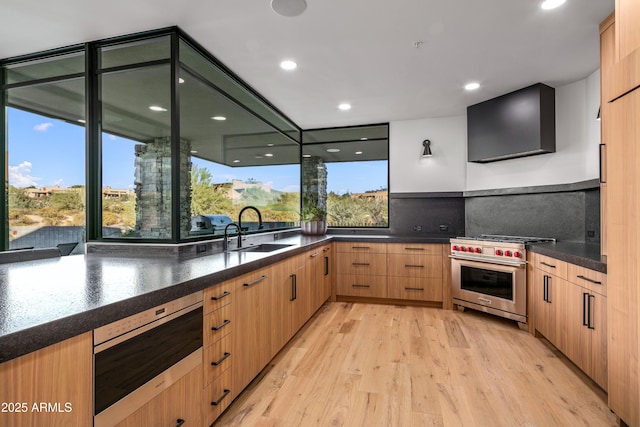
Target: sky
point(44, 152)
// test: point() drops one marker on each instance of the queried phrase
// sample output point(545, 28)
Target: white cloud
point(292, 188)
point(112, 137)
point(58, 182)
point(43, 127)
point(20, 176)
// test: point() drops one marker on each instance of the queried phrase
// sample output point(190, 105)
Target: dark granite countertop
point(583, 254)
point(47, 301)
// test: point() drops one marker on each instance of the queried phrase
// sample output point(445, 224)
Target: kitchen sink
point(264, 247)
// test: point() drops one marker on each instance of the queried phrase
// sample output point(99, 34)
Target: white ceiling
point(356, 51)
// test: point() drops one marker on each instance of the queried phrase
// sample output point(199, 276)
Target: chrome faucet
point(225, 242)
point(240, 222)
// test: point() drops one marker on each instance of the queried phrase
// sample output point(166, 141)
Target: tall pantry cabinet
point(620, 80)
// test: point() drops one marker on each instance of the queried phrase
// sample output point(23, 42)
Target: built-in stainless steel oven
point(138, 357)
point(488, 273)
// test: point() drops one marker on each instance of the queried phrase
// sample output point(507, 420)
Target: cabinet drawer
point(362, 264)
point(415, 265)
point(217, 396)
point(217, 324)
point(362, 286)
point(217, 358)
point(217, 296)
point(414, 248)
point(551, 265)
point(361, 247)
point(590, 279)
point(416, 288)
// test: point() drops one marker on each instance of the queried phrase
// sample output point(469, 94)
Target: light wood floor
point(381, 365)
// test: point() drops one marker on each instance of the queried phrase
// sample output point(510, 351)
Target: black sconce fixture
point(426, 150)
point(598, 116)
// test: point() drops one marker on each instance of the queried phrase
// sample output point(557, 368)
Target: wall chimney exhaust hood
point(518, 124)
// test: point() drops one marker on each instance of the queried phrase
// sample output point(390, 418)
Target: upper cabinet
point(625, 72)
point(628, 27)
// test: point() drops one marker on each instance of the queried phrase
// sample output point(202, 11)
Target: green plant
point(311, 209)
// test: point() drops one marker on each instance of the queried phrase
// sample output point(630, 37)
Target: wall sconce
point(426, 150)
point(598, 116)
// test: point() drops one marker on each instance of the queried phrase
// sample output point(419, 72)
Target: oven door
point(493, 288)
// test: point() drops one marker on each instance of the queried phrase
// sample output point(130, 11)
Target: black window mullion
point(176, 185)
point(93, 150)
point(4, 153)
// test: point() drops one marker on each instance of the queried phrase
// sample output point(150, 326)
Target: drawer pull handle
point(220, 326)
point(313, 255)
point(222, 359)
point(219, 297)
point(360, 286)
point(413, 266)
point(589, 280)
point(414, 289)
point(326, 249)
point(360, 264)
point(253, 282)
point(294, 287)
point(179, 422)
point(360, 247)
point(414, 249)
point(548, 265)
point(217, 402)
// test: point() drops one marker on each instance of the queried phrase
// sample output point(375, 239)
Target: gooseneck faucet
point(225, 242)
point(240, 222)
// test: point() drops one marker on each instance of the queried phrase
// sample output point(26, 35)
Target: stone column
point(153, 188)
point(314, 180)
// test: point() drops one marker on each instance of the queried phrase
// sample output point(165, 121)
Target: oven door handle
point(489, 261)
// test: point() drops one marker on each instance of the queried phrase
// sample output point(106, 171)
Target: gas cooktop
point(506, 239)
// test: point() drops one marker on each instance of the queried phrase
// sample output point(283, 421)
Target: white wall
point(445, 171)
point(576, 158)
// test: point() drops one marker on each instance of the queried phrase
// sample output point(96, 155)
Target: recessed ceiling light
point(333, 150)
point(306, 155)
point(288, 8)
point(288, 65)
point(551, 4)
point(219, 118)
point(358, 152)
point(180, 80)
point(268, 155)
point(82, 121)
point(472, 86)
point(269, 145)
point(344, 106)
point(194, 151)
point(236, 161)
point(157, 108)
point(363, 139)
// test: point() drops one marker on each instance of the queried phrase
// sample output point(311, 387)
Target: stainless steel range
point(488, 274)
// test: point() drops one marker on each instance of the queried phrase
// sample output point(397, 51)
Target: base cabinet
point(180, 405)
point(570, 311)
point(50, 387)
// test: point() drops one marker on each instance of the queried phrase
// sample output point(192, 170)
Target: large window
point(45, 140)
point(345, 171)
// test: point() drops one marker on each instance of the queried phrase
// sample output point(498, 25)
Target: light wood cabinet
point(318, 269)
point(623, 228)
point(607, 61)
point(218, 396)
point(253, 294)
point(570, 312)
point(291, 300)
point(361, 269)
point(181, 402)
point(628, 28)
point(58, 377)
point(415, 272)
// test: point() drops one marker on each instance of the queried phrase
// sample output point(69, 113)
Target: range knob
point(454, 248)
point(499, 252)
point(517, 254)
point(463, 249)
point(507, 253)
point(478, 250)
point(470, 249)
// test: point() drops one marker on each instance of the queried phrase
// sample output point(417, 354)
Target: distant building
point(238, 186)
point(107, 192)
point(113, 193)
point(378, 195)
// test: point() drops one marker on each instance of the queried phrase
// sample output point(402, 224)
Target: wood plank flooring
point(383, 365)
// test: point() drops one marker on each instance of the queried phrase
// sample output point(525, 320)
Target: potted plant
point(313, 219)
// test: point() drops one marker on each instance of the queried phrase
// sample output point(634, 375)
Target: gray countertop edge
point(582, 254)
point(15, 344)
